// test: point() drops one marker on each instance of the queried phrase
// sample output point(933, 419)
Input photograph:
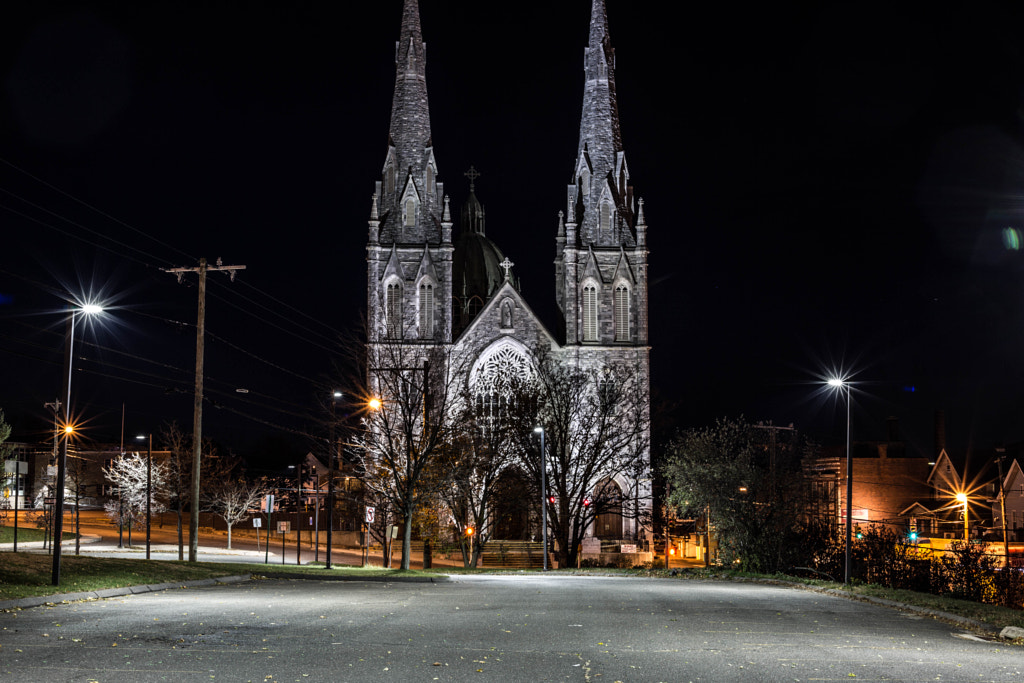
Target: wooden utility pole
point(197, 412)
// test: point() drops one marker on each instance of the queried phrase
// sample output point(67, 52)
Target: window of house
point(393, 310)
point(622, 313)
point(589, 313)
point(426, 310)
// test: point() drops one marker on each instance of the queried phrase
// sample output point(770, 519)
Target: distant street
point(491, 628)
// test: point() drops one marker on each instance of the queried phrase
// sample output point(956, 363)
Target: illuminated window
point(589, 313)
point(426, 310)
point(622, 313)
point(393, 310)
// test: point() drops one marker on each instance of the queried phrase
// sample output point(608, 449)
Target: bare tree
point(233, 497)
point(482, 447)
point(128, 472)
point(596, 427)
point(179, 472)
point(408, 429)
point(6, 479)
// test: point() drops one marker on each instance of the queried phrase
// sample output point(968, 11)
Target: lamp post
point(149, 485)
point(841, 385)
point(332, 454)
point(543, 495)
point(62, 455)
point(962, 498)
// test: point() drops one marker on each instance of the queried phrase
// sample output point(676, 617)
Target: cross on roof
point(472, 174)
point(507, 265)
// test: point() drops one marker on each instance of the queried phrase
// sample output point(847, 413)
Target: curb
point(1006, 633)
point(41, 600)
point(439, 578)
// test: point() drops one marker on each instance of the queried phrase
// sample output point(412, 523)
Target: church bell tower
point(601, 246)
point(409, 249)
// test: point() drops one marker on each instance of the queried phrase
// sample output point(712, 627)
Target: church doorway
point(511, 507)
point(608, 523)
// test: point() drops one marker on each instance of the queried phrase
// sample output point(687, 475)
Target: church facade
point(432, 282)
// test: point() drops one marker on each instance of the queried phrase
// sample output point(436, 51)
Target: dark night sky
point(826, 185)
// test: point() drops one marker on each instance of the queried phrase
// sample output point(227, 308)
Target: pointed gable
point(591, 268)
point(426, 269)
point(623, 271)
point(394, 267)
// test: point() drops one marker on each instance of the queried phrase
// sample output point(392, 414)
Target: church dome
point(476, 269)
point(476, 264)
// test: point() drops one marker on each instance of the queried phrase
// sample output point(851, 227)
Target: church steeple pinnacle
point(410, 196)
point(600, 199)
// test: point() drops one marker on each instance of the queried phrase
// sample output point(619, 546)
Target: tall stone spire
point(410, 171)
point(599, 126)
point(601, 178)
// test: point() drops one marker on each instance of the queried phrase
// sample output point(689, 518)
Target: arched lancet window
point(621, 305)
point(426, 310)
point(474, 307)
point(430, 178)
point(606, 217)
point(389, 180)
point(410, 212)
point(495, 381)
point(585, 182)
point(589, 312)
point(393, 310)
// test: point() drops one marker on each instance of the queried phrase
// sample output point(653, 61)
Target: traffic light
point(586, 502)
point(551, 499)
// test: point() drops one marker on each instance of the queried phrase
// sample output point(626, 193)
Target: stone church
point(432, 282)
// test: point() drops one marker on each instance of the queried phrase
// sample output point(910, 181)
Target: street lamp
point(333, 452)
point(62, 455)
point(149, 485)
point(841, 385)
point(543, 495)
point(962, 498)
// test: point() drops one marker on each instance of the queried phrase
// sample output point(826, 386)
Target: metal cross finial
point(472, 174)
point(507, 265)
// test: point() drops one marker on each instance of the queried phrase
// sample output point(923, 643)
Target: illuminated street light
point(841, 385)
point(374, 403)
point(543, 501)
point(62, 454)
point(332, 454)
point(149, 486)
point(962, 498)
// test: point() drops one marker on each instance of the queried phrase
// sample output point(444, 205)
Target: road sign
point(268, 502)
point(371, 513)
point(257, 522)
point(284, 527)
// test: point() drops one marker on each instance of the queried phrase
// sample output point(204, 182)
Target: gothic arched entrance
point(511, 507)
point(608, 522)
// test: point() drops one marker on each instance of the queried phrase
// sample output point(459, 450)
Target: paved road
point(491, 628)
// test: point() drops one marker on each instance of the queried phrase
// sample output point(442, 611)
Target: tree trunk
point(406, 539)
point(181, 543)
point(229, 535)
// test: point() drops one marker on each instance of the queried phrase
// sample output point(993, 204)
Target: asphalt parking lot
point(501, 628)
